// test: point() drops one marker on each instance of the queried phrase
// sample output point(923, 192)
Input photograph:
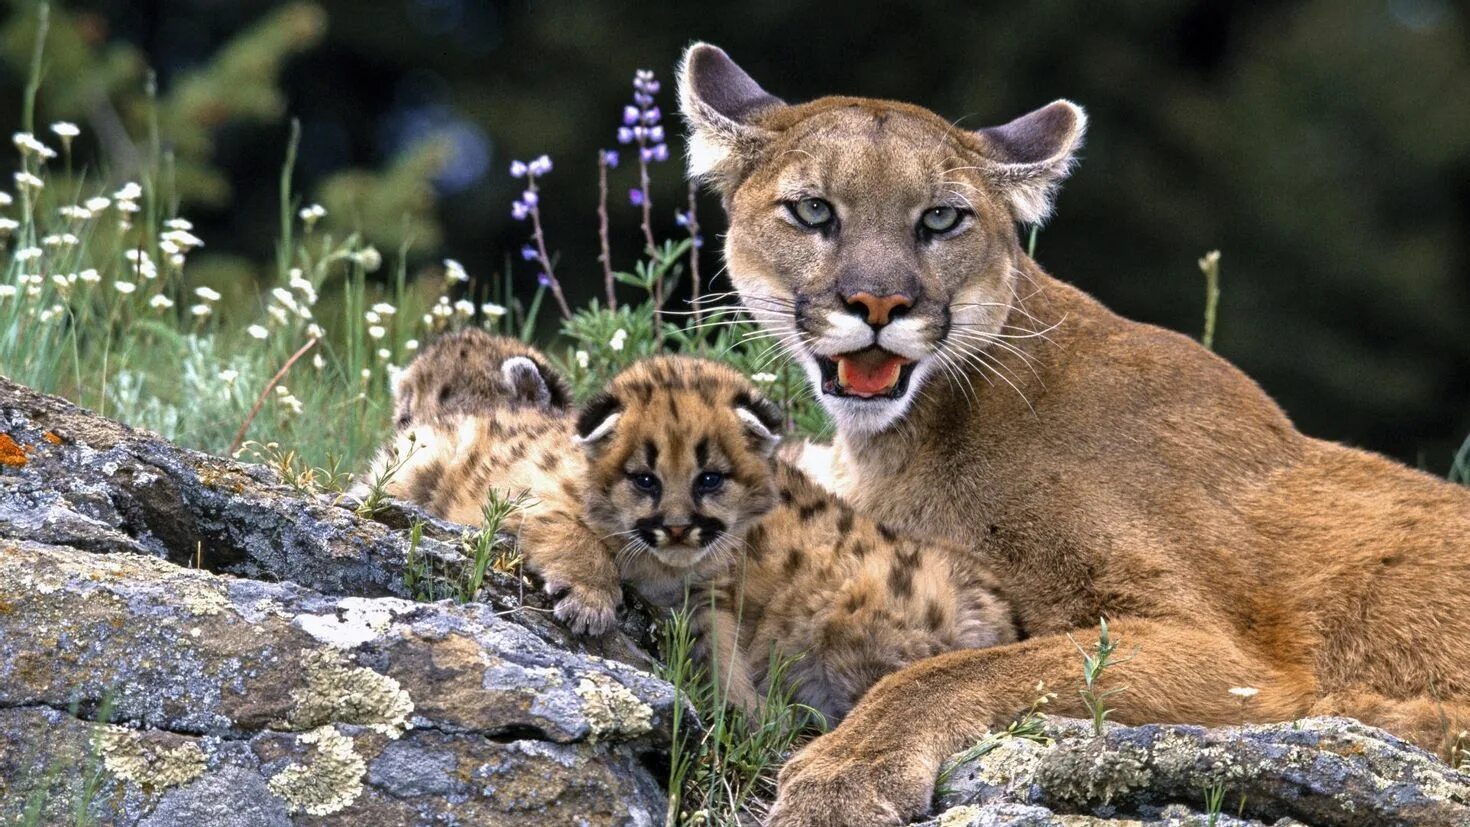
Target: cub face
point(681, 461)
point(876, 241)
point(471, 371)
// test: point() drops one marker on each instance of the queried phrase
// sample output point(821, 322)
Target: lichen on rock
point(329, 782)
point(155, 761)
point(335, 691)
point(611, 709)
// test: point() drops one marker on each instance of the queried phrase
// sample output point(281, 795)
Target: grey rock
point(1331, 772)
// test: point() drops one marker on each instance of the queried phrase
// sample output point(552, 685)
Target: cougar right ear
point(722, 105)
point(598, 418)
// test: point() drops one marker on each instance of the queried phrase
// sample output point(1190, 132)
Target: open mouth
point(870, 373)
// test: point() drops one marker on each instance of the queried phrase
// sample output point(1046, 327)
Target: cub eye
point(813, 212)
point(709, 482)
point(644, 482)
point(940, 219)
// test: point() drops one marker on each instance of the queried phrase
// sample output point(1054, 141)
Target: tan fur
point(1098, 466)
point(464, 429)
point(789, 570)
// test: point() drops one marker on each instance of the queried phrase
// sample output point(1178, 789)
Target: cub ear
point(762, 420)
point(598, 418)
point(535, 384)
point(1032, 154)
point(721, 104)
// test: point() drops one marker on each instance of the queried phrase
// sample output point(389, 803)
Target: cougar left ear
point(722, 105)
point(762, 420)
point(529, 384)
point(1032, 154)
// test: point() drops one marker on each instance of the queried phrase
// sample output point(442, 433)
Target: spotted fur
point(773, 561)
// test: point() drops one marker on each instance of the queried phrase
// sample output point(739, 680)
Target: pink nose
point(676, 532)
point(879, 309)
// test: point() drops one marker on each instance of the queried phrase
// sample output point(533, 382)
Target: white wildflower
point(129, 192)
point(384, 309)
point(278, 313)
point(291, 403)
point(29, 145)
point(372, 318)
point(377, 332)
point(619, 338)
point(7, 291)
point(26, 181)
point(125, 287)
point(411, 345)
point(51, 312)
point(492, 310)
point(160, 302)
point(183, 238)
point(124, 205)
point(443, 311)
point(65, 130)
point(179, 224)
point(97, 204)
point(285, 297)
point(27, 254)
point(428, 320)
point(5, 199)
point(464, 308)
point(76, 212)
point(312, 214)
point(318, 362)
point(229, 375)
point(62, 240)
point(765, 378)
point(207, 294)
point(63, 282)
point(315, 331)
point(385, 354)
point(257, 331)
point(200, 311)
point(176, 261)
point(8, 226)
point(90, 276)
point(368, 258)
point(583, 359)
point(367, 374)
point(454, 271)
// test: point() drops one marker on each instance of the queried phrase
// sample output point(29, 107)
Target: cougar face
point(872, 239)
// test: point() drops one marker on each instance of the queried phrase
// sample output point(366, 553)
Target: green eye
point(940, 219)
point(813, 212)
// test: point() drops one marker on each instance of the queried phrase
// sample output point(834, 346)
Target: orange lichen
point(11, 453)
point(52, 437)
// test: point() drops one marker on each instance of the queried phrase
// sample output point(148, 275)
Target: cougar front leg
point(878, 767)
point(577, 568)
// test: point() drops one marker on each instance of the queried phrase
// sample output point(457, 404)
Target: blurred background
point(1322, 145)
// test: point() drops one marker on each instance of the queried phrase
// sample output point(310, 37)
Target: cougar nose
point(677, 532)
point(878, 310)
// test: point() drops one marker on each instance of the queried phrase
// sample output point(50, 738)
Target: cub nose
point(677, 532)
point(878, 310)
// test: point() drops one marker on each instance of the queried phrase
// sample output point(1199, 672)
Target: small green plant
point(1459, 756)
point(418, 569)
point(725, 772)
point(1029, 725)
point(1094, 664)
point(1460, 467)
point(377, 486)
point(1214, 803)
point(487, 548)
point(1210, 266)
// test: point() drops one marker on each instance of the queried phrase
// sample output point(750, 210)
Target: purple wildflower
point(681, 218)
point(540, 166)
point(543, 279)
point(630, 115)
point(530, 198)
point(528, 252)
point(518, 169)
point(519, 210)
point(625, 135)
point(610, 157)
point(635, 197)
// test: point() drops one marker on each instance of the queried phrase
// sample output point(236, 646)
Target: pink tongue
point(867, 378)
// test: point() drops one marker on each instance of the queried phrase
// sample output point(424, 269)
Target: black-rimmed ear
point(762, 421)
point(558, 388)
point(598, 418)
point(1032, 154)
point(720, 102)
point(531, 384)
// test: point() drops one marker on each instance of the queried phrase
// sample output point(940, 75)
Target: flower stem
point(694, 251)
point(545, 260)
point(265, 391)
point(602, 235)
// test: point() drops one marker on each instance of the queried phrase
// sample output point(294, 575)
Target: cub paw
point(587, 611)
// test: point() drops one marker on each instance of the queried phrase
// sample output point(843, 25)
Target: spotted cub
point(682, 473)
point(476, 413)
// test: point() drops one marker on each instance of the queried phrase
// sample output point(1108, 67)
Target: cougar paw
point(830, 787)
point(588, 611)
